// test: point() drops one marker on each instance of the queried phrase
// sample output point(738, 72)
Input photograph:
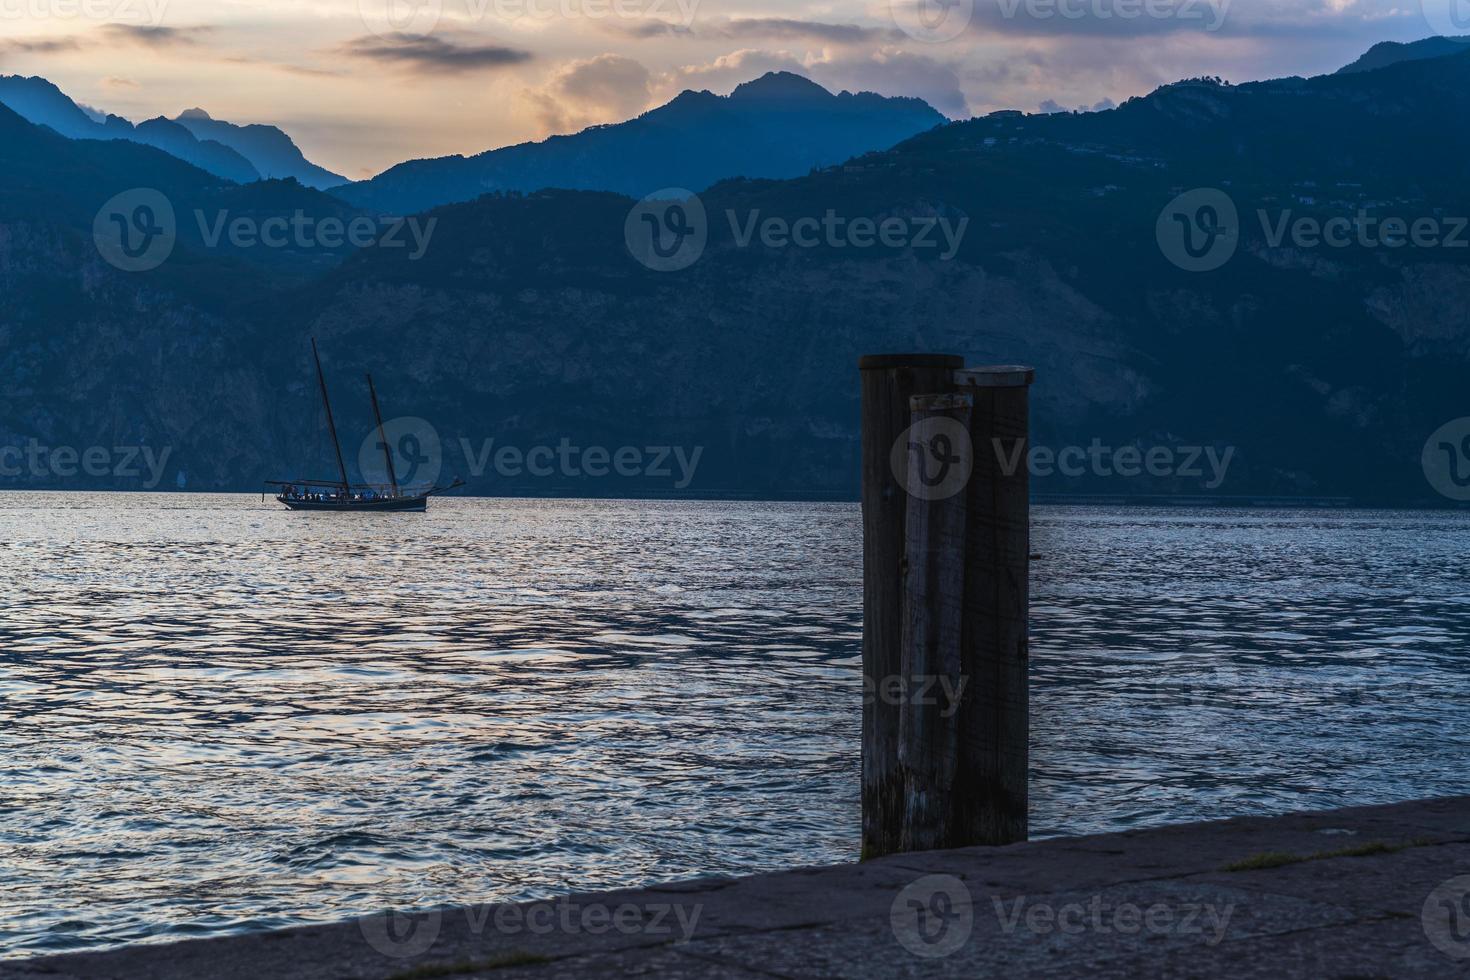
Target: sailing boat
point(340, 495)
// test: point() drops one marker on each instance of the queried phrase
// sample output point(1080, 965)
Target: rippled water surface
point(216, 715)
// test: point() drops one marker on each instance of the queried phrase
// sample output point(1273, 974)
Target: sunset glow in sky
point(363, 85)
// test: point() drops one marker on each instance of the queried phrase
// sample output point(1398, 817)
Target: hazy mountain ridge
point(51, 179)
point(42, 103)
point(1387, 53)
point(780, 125)
point(237, 153)
point(268, 149)
point(1323, 371)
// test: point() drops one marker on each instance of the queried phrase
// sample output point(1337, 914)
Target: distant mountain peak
point(39, 101)
point(239, 153)
point(781, 86)
point(34, 80)
point(777, 126)
point(691, 95)
point(268, 148)
point(1386, 53)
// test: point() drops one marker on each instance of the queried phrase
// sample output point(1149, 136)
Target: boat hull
point(396, 505)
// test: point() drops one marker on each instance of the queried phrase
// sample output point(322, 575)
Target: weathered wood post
point(888, 382)
point(940, 461)
point(946, 554)
point(991, 801)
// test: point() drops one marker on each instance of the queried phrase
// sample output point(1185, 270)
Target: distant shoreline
point(1208, 501)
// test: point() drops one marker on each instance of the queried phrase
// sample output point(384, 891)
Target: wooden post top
point(995, 376)
point(884, 362)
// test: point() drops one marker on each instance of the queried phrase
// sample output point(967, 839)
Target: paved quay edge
point(1377, 891)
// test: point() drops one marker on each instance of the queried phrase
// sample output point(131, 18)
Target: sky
point(363, 84)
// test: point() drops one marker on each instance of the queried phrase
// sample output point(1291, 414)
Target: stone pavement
point(1364, 892)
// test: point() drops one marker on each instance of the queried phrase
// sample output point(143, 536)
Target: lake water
point(217, 716)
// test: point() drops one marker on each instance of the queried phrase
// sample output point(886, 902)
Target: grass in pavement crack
point(433, 970)
point(1279, 859)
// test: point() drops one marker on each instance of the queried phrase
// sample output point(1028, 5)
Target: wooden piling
point(888, 382)
point(940, 462)
point(932, 780)
point(990, 803)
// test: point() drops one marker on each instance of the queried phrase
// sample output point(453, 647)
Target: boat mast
point(331, 425)
point(383, 439)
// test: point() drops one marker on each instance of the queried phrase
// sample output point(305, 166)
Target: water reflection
point(217, 715)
